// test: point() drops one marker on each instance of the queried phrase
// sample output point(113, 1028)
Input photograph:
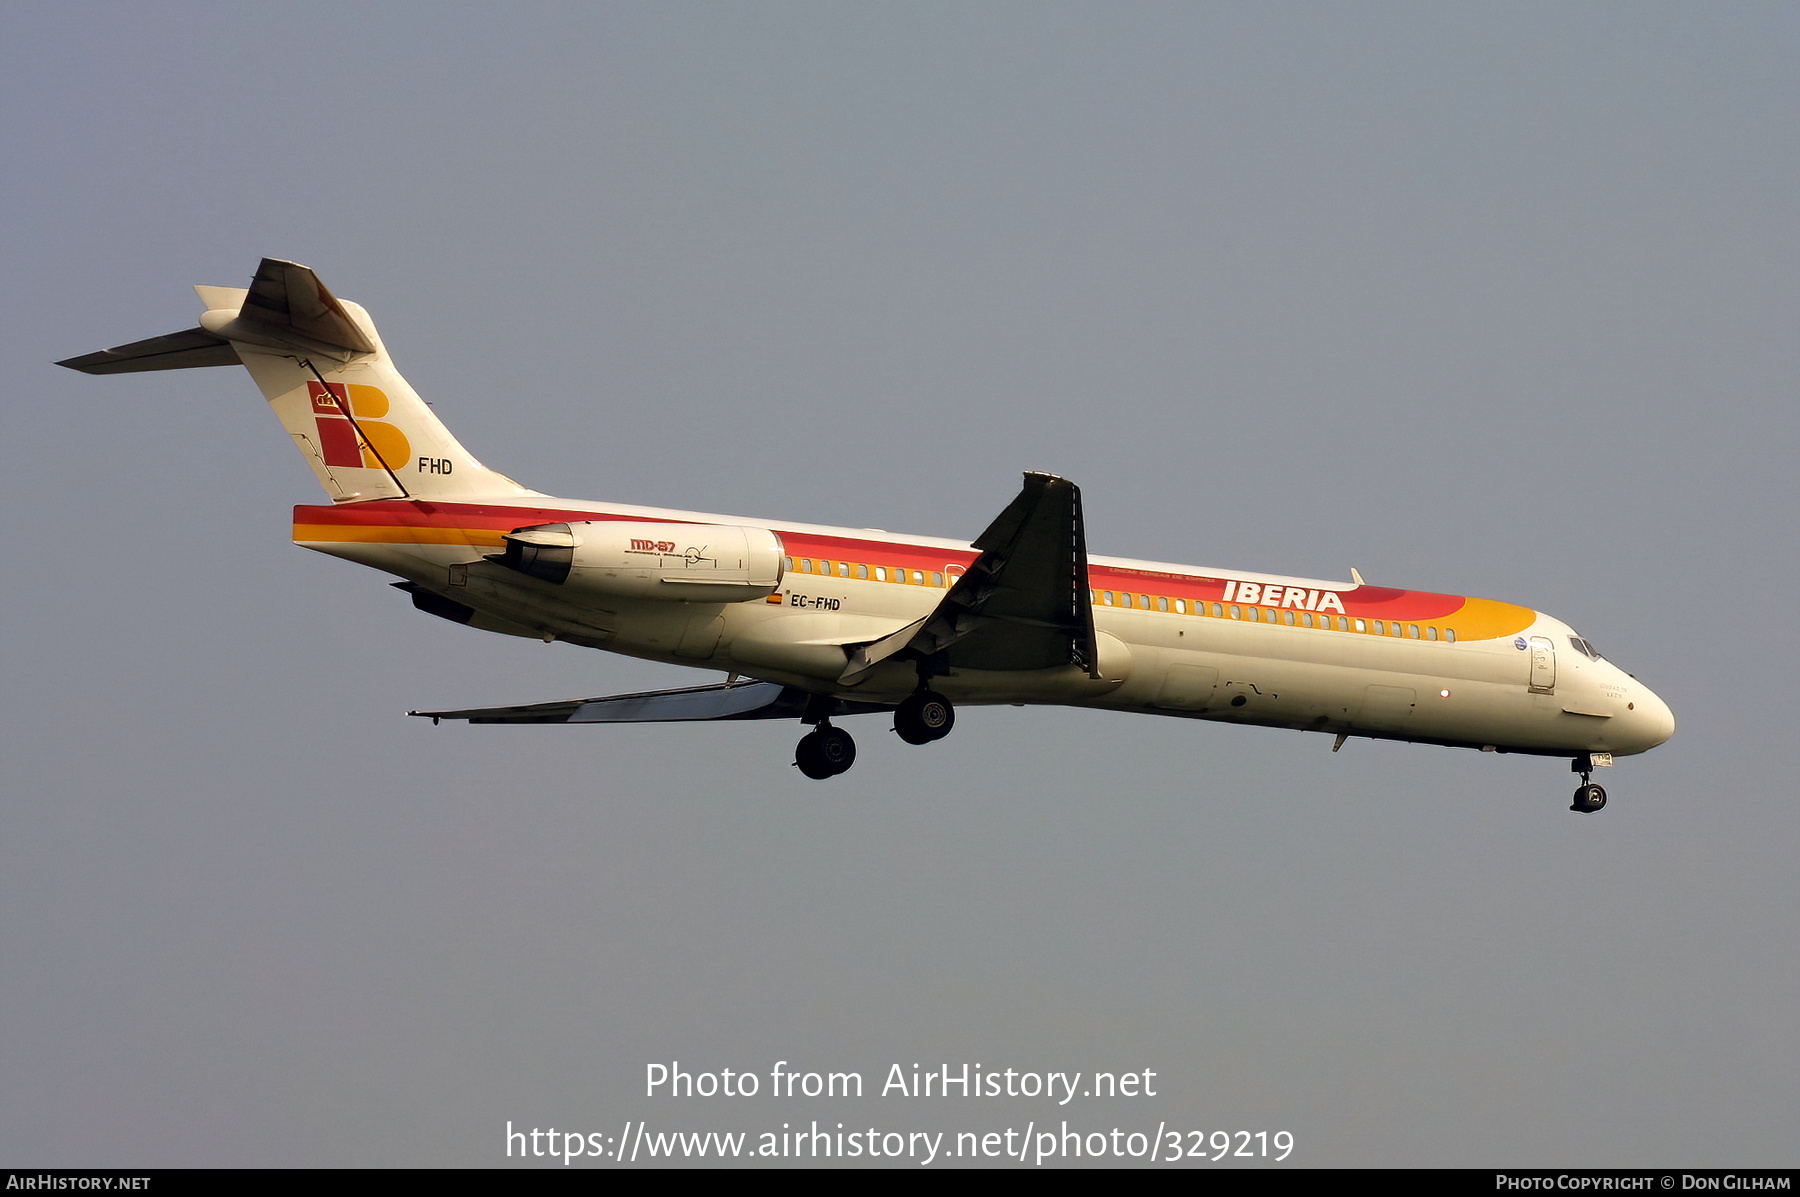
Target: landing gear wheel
point(1589, 798)
point(825, 752)
point(924, 717)
point(836, 748)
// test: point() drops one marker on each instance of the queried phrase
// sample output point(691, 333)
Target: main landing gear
point(1588, 796)
point(924, 717)
point(827, 751)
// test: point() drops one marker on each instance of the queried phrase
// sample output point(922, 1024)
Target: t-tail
point(322, 367)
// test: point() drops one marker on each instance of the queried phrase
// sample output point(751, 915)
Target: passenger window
point(806, 565)
point(900, 576)
point(918, 577)
point(1180, 607)
point(843, 569)
point(1234, 613)
point(1431, 633)
point(1450, 635)
point(1305, 620)
point(862, 572)
point(881, 573)
point(1107, 598)
point(1412, 631)
point(937, 579)
point(1359, 625)
point(1218, 611)
point(1144, 602)
point(1270, 615)
point(1287, 617)
point(787, 564)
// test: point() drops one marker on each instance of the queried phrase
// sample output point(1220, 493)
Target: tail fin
point(321, 365)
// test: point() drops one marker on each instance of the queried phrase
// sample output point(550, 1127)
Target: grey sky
point(1494, 301)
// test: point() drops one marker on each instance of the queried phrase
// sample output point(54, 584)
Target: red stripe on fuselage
point(1374, 602)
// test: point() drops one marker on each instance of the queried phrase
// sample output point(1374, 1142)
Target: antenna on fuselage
point(1356, 577)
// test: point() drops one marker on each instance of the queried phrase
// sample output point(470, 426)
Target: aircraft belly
point(407, 560)
point(1058, 685)
point(1186, 687)
point(809, 643)
point(1340, 691)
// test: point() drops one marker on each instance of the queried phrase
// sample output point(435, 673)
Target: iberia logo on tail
point(379, 444)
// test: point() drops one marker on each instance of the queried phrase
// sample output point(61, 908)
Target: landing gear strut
point(825, 751)
point(1588, 797)
point(924, 717)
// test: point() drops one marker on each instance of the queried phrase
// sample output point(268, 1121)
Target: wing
point(1024, 602)
point(725, 700)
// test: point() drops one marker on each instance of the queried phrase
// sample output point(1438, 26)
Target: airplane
point(819, 623)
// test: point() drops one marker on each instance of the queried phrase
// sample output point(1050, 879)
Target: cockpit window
point(1584, 648)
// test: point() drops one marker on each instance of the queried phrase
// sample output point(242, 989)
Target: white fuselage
point(1512, 679)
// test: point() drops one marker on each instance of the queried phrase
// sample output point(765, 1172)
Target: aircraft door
point(1543, 665)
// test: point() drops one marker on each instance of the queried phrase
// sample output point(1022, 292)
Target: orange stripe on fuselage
point(398, 521)
point(397, 534)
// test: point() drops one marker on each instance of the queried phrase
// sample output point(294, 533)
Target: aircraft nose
point(1655, 721)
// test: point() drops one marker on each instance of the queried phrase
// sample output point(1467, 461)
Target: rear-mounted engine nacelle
point(698, 563)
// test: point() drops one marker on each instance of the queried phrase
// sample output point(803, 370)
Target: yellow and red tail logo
point(380, 443)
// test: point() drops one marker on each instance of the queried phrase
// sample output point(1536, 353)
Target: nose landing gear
point(1588, 796)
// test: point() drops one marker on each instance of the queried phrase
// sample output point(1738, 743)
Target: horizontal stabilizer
point(177, 351)
point(289, 305)
point(286, 309)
